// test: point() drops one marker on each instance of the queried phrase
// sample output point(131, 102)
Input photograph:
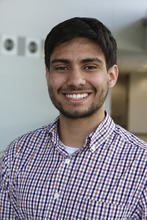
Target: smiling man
point(82, 166)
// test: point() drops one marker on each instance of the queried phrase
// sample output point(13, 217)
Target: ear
point(113, 75)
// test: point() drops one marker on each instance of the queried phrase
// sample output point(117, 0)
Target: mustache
point(78, 89)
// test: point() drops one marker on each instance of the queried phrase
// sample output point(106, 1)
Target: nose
point(76, 78)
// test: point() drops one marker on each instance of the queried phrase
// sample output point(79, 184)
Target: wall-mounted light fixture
point(33, 47)
point(21, 46)
point(9, 44)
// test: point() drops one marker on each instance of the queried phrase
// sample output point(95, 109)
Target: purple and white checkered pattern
point(105, 179)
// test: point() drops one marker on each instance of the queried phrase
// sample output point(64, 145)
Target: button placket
point(67, 161)
point(56, 196)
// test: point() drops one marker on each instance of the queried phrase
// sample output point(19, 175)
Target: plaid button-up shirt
point(105, 179)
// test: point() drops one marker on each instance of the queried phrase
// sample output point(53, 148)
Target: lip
point(77, 97)
point(64, 92)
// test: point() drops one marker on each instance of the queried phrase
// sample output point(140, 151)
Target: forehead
point(77, 48)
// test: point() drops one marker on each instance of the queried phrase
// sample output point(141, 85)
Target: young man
point(82, 166)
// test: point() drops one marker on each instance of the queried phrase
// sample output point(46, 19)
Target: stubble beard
point(77, 114)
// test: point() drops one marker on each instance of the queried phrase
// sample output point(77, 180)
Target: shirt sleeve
point(6, 209)
point(140, 212)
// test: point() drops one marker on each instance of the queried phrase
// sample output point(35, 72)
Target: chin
point(78, 115)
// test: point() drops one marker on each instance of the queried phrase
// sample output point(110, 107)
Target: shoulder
point(129, 138)
point(132, 147)
point(121, 137)
point(23, 146)
point(129, 147)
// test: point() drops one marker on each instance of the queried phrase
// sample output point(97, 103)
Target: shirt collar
point(102, 132)
point(95, 139)
point(53, 131)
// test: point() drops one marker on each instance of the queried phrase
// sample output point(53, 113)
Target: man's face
point(78, 81)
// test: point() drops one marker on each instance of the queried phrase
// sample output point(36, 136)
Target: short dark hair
point(89, 28)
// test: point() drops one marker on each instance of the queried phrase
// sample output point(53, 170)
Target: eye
point(90, 67)
point(61, 68)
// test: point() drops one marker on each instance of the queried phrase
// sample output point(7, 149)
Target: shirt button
point(56, 196)
point(93, 148)
point(67, 161)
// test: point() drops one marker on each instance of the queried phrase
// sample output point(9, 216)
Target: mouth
point(77, 96)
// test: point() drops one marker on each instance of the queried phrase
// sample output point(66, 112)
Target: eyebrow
point(60, 60)
point(86, 60)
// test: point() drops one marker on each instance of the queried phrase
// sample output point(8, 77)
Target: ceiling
point(132, 58)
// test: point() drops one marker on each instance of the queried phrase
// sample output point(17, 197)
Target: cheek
point(56, 82)
point(99, 81)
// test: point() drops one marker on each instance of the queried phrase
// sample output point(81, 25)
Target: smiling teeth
point(76, 96)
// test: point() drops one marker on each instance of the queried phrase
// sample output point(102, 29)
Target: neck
point(73, 132)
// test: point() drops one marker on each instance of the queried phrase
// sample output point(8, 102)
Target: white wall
point(36, 17)
point(24, 99)
point(24, 102)
point(138, 103)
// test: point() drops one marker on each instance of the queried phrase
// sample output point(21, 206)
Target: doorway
point(120, 101)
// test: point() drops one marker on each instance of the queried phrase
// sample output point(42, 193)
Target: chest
point(80, 187)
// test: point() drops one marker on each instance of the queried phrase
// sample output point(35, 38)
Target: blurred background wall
point(24, 101)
